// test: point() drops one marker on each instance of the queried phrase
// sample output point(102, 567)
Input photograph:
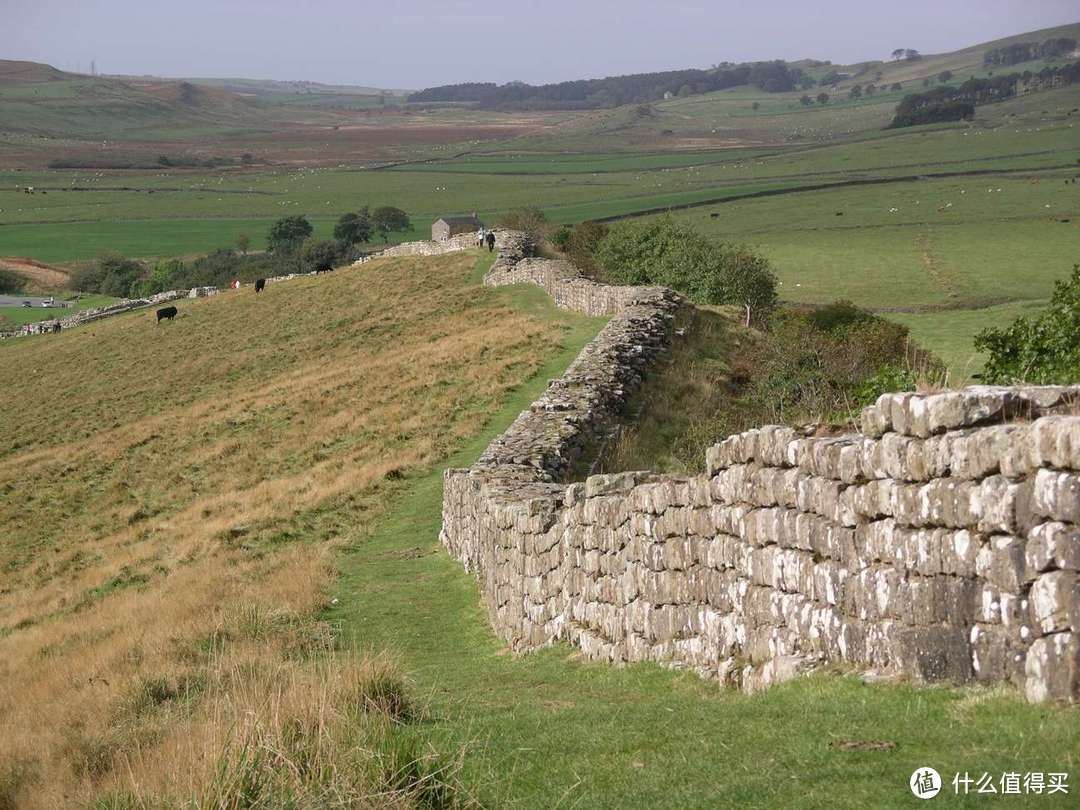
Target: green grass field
point(942, 244)
point(950, 249)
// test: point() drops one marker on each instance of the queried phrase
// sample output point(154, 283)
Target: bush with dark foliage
point(1043, 350)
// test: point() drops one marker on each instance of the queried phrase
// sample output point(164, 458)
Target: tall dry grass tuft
point(317, 734)
point(171, 501)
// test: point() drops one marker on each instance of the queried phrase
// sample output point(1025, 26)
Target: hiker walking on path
point(491, 241)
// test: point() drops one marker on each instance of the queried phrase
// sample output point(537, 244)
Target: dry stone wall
point(940, 542)
point(86, 316)
point(431, 247)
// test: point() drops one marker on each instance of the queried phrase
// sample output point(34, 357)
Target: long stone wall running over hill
point(941, 542)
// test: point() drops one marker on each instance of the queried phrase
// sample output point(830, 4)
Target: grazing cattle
point(323, 267)
point(260, 284)
point(166, 313)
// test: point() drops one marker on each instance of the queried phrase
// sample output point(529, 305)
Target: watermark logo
point(925, 783)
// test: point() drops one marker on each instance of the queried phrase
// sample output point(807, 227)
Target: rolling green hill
point(40, 100)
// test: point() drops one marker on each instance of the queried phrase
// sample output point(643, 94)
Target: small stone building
point(445, 227)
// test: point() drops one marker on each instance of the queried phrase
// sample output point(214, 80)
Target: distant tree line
point(292, 249)
point(1019, 52)
point(169, 161)
point(907, 54)
point(613, 91)
point(956, 103)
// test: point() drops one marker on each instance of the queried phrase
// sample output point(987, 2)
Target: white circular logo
point(925, 783)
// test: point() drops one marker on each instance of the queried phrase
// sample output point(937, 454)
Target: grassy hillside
point(173, 499)
point(38, 100)
point(106, 122)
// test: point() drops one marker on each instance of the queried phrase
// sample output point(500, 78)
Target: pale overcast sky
point(418, 44)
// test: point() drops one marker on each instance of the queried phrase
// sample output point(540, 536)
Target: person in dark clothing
point(491, 241)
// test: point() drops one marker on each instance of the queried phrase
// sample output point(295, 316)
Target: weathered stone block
point(1052, 669)
point(1055, 601)
point(937, 654)
point(1057, 495)
point(1050, 546)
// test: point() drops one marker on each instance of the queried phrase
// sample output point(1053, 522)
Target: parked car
point(26, 303)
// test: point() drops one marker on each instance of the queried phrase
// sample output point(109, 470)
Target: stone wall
point(430, 247)
point(565, 284)
point(940, 542)
point(85, 316)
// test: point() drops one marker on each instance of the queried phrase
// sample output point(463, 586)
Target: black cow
point(166, 313)
point(260, 284)
point(323, 267)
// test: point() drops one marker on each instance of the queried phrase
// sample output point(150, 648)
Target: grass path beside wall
point(549, 730)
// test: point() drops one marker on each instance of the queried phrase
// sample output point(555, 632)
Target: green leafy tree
point(110, 274)
point(806, 101)
point(528, 219)
point(168, 274)
point(584, 240)
point(1042, 350)
point(561, 238)
point(387, 219)
point(288, 233)
point(319, 255)
point(243, 242)
point(822, 98)
point(945, 76)
point(673, 254)
point(855, 92)
point(353, 228)
point(750, 283)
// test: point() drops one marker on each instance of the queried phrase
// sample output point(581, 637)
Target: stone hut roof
point(469, 220)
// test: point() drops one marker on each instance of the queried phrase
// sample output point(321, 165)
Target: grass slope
point(172, 497)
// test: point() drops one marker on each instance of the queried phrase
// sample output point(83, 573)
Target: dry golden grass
point(170, 500)
point(40, 275)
